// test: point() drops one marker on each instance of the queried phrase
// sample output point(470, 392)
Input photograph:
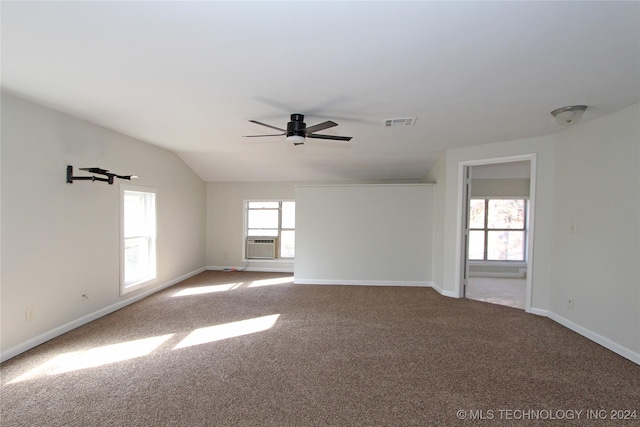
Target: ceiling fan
point(297, 130)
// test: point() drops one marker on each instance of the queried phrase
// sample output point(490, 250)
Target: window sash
point(483, 248)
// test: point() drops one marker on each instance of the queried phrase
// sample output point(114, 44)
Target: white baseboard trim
point(539, 312)
point(361, 282)
point(53, 333)
point(593, 336)
point(587, 333)
point(249, 268)
point(443, 292)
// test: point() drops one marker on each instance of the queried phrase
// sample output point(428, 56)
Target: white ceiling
point(188, 76)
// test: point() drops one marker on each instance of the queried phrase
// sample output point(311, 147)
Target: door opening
point(496, 231)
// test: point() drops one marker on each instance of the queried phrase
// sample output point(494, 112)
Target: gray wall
point(60, 241)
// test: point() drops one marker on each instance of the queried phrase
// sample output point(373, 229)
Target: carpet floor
point(253, 349)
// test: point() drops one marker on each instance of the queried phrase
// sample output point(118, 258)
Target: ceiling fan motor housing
point(296, 126)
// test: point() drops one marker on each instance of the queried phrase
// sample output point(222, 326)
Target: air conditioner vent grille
point(261, 247)
point(403, 121)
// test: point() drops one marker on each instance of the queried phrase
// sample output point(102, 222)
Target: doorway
point(497, 231)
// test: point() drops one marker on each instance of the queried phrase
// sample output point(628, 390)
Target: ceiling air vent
point(404, 121)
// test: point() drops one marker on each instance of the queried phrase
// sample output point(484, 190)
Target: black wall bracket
point(108, 176)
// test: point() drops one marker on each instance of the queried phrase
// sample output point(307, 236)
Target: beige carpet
point(252, 349)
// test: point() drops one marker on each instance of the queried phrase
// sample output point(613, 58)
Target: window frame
point(486, 230)
point(280, 229)
point(151, 234)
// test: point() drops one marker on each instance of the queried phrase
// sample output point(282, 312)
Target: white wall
point(597, 174)
point(225, 222)
point(60, 241)
point(364, 234)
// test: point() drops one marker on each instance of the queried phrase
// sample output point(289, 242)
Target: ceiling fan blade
point(335, 138)
point(269, 126)
point(320, 126)
point(258, 136)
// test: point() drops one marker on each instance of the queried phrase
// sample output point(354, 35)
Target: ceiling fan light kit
point(297, 130)
point(296, 139)
point(570, 115)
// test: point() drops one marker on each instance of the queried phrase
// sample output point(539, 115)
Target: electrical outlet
point(28, 314)
point(574, 227)
point(570, 304)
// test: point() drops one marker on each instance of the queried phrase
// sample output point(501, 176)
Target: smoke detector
point(403, 121)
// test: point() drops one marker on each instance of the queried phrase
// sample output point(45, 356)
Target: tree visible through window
point(497, 229)
point(273, 219)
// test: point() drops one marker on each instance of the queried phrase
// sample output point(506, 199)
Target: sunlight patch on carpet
point(228, 330)
point(271, 282)
point(95, 357)
point(199, 290)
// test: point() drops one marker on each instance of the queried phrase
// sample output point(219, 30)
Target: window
point(497, 229)
point(138, 238)
point(273, 219)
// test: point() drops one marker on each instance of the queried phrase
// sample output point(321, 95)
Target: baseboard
point(443, 292)
point(362, 282)
point(46, 336)
point(595, 337)
point(249, 268)
point(538, 312)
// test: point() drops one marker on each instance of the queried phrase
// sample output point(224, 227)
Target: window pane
point(263, 219)
point(505, 246)
point(136, 258)
point(262, 232)
point(476, 213)
point(476, 245)
point(135, 214)
point(287, 244)
point(506, 214)
point(288, 214)
point(264, 205)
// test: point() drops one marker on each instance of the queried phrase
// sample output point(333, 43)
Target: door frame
point(461, 220)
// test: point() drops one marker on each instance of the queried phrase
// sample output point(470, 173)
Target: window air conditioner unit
point(261, 247)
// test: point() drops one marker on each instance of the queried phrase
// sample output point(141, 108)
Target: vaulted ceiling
point(188, 76)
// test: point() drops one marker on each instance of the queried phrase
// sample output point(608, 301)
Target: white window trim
point(126, 289)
